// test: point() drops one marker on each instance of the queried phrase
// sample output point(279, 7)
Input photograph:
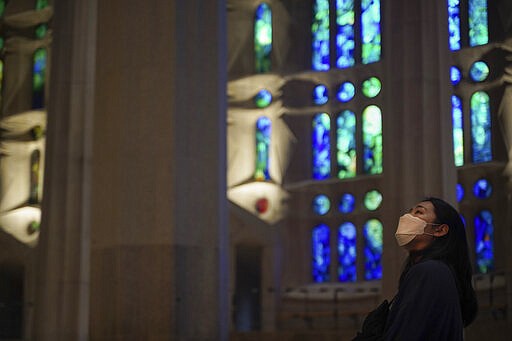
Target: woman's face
point(425, 211)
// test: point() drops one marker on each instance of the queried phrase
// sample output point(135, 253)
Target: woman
point(435, 299)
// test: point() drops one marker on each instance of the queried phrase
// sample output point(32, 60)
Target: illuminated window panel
point(347, 269)
point(40, 4)
point(35, 165)
point(321, 146)
point(372, 140)
point(454, 24)
point(482, 189)
point(321, 204)
point(320, 32)
point(484, 242)
point(263, 132)
point(346, 144)
point(370, 31)
point(372, 231)
point(458, 131)
point(263, 98)
point(371, 87)
point(38, 78)
point(478, 30)
point(346, 92)
point(345, 42)
point(479, 71)
point(459, 191)
point(372, 200)
point(321, 253)
point(320, 95)
point(263, 38)
point(455, 75)
point(347, 203)
point(481, 127)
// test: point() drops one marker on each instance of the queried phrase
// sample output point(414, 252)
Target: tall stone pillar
point(417, 129)
point(149, 225)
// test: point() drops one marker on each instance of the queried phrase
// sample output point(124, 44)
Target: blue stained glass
point(321, 204)
point(39, 78)
point(321, 146)
point(458, 131)
point(321, 253)
point(263, 131)
point(370, 31)
point(346, 92)
point(484, 241)
point(263, 38)
point(455, 75)
point(320, 31)
point(459, 192)
point(478, 29)
point(347, 270)
point(320, 94)
point(481, 127)
point(263, 98)
point(347, 203)
point(479, 71)
point(454, 24)
point(372, 231)
point(345, 42)
point(346, 144)
point(482, 189)
point(372, 140)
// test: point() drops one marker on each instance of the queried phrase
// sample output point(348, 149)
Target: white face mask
point(409, 227)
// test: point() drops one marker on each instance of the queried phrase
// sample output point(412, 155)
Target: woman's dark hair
point(452, 249)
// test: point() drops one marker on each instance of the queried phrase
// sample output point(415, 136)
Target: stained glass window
point(458, 131)
point(35, 161)
point(346, 144)
point(455, 75)
point(320, 94)
point(478, 30)
point(345, 42)
point(347, 203)
point(346, 92)
point(484, 241)
point(263, 132)
point(459, 192)
point(321, 253)
point(479, 71)
point(321, 204)
point(372, 140)
point(347, 270)
point(481, 127)
point(320, 31)
point(482, 189)
point(263, 38)
point(370, 31)
point(263, 98)
point(321, 146)
point(454, 24)
point(371, 87)
point(372, 231)
point(38, 78)
point(372, 200)
point(2, 7)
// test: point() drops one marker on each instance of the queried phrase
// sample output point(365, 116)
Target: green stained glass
point(263, 98)
point(372, 140)
point(478, 29)
point(321, 204)
point(263, 131)
point(458, 131)
point(263, 38)
point(38, 78)
point(370, 31)
point(345, 42)
point(320, 32)
point(40, 4)
point(481, 127)
point(371, 87)
point(2, 7)
point(346, 144)
point(479, 71)
point(372, 200)
point(454, 24)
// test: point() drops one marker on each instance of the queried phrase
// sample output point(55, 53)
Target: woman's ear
point(441, 230)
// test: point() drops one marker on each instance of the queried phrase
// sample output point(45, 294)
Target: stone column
point(417, 129)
